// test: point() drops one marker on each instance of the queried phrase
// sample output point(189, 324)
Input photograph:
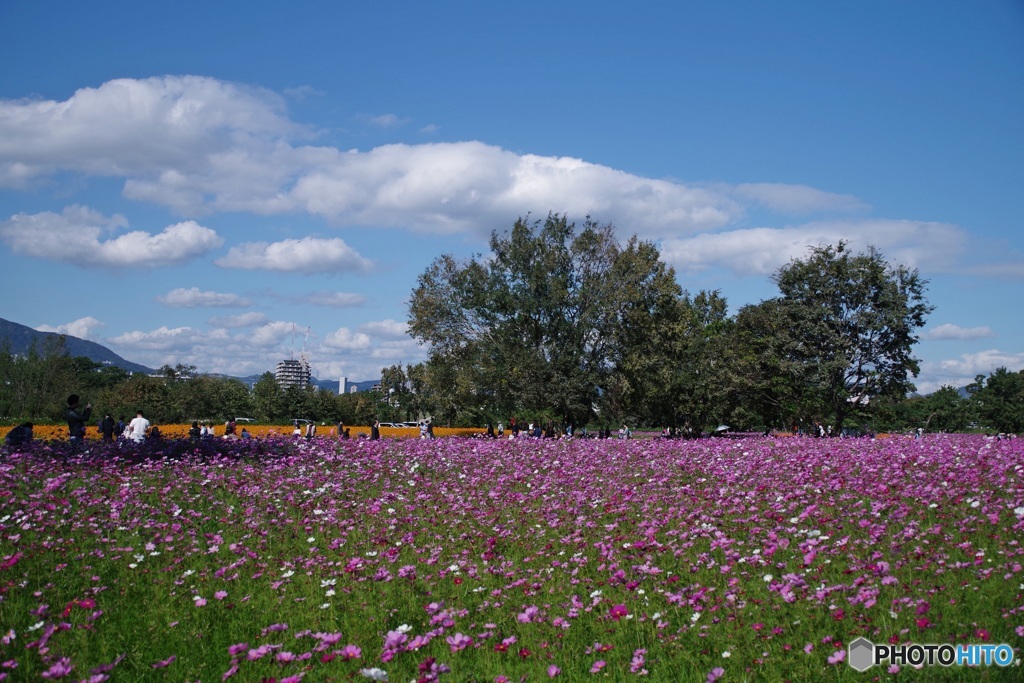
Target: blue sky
point(221, 184)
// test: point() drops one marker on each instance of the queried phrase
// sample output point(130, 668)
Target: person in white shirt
point(137, 428)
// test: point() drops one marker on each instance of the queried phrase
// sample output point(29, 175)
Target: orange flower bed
point(180, 431)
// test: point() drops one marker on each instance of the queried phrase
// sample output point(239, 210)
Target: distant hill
point(20, 338)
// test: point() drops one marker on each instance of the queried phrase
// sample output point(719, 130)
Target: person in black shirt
point(107, 427)
point(76, 420)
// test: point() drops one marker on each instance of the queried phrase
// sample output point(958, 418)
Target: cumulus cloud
point(950, 331)
point(364, 351)
point(959, 372)
point(386, 329)
point(161, 339)
point(81, 328)
point(330, 299)
point(795, 199)
point(195, 298)
point(761, 251)
point(387, 120)
point(306, 255)
point(77, 236)
point(1010, 271)
point(162, 127)
point(248, 344)
point(344, 339)
point(198, 144)
point(236, 321)
point(273, 334)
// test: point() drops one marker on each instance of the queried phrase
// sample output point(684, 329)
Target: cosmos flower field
point(490, 560)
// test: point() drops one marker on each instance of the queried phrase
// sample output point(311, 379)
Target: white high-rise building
point(293, 373)
point(343, 386)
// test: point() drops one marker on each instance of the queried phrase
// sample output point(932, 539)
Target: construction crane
point(302, 353)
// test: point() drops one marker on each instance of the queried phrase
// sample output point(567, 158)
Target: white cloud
point(1013, 270)
point(959, 372)
point(237, 321)
point(81, 328)
point(795, 199)
point(362, 353)
point(75, 236)
point(331, 299)
point(274, 334)
point(198, 145)
point(194, 298)
point(386, 329)
point(306, 255)
point(344, 339)
point(950, 331)
point(388, 120)
point(172, 125)
point(303, 92)
point(161, 339)
point(761, 251)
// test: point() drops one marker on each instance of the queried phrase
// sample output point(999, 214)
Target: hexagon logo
point(861, 654)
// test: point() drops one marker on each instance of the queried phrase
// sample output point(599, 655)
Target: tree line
point(571, 327)
point(34, 386)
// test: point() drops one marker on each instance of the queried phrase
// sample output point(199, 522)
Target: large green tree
point(533, 329)
point(999, 400)
point(851, 321)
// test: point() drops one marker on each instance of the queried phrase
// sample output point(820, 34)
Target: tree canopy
point(573, 325)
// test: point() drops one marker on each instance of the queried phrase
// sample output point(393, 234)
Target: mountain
point(20, 338)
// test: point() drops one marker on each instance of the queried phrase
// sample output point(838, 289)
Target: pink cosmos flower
point(715, 674)
point(527, 615)
point(553, 671)
point(616, 612)
point(636, 664)
point(220, 595)
point(61, 668)
point(395, 640)
point(350, 652)
point(163, 664)
point(459, 641)
point(597, 666)
point(257, 653)
point(837, 657)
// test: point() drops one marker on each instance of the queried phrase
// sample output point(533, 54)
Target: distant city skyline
point(203, 183)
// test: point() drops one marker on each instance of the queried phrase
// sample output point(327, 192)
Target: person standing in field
point(107, 428)
point(76, 420)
